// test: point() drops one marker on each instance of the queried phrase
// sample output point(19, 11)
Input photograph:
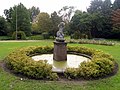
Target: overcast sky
point(46, 5)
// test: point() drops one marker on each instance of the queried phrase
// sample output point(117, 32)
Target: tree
point(116, 22)
point(35, 28)
point(95, 6)
point(3, 26)
point(44, 22)
point(107, 23)
point(80, 24)
point(103, 9)
point(107, 7)
point(55, 19)
point(116, 4)
point(8, 14)
point(75, 22)
point(23, 18)
point(34, 11)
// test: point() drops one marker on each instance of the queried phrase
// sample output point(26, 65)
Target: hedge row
point(20, 61)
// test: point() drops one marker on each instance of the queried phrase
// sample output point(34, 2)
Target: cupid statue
point(60, 35)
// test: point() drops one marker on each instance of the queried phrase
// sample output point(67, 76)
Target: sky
point(48, 6)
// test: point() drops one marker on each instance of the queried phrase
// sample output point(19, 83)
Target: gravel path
point(19, 40)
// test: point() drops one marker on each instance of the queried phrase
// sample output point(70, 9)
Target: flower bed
point(20, 61)
point(92, 41)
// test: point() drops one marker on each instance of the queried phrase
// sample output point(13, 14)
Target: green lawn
point(11, 82)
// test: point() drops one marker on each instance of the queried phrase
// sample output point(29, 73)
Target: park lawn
point(11, 82)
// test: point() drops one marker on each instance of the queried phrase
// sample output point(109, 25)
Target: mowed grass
point(11, 82)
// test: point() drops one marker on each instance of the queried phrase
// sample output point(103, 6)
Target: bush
point(20, 35)
point(5, 38)
point(20, 61)
point(36, 37)
point(101, 64)
point(46, 35)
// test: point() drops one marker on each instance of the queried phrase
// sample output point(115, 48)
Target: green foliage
point(44, 22)
point(46, 35)
point(3, 26)
point(55, 19)
point(7, 79)
point(96, 68)
point(20, 35)
point(36, 37)
point(78, 35)
point(101, 64)
point(22, 15)
point(116, 4)
point(5, 38)
point(21, 62)
point(35, 28)
point(71, 73)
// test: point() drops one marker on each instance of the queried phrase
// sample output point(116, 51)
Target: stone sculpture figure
point(60, 35)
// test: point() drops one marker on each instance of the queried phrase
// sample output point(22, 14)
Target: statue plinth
point(60, 51)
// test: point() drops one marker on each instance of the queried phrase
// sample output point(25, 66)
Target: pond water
point(73, 61)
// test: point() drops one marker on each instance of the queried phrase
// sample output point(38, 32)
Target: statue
point(60, 35)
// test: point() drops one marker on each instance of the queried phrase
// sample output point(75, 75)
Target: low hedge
point(101, 64)
point(20, 61)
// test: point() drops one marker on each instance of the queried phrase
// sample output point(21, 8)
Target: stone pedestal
point(60, 51)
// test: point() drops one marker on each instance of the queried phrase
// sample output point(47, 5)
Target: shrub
point(36, 37)
point(101, 64)
point(95, 68)
point(20, 61)
point(20, 35)
point(46, 35)
point(70, 73)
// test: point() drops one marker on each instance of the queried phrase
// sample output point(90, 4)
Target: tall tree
point(75, 22)
point(107, 7)
point(23, 18)
point(44, 22)
point(116, 22)
point(103, 9)
point(106, 12)
point(55, 19)
point(3, 26)
point(95, 6)
point(116, 4)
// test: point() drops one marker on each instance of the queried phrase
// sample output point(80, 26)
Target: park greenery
point(101, 20)
point(93, 29)
point(11, 81)
point(20, 62)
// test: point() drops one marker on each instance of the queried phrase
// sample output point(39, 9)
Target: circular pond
point(73, 61)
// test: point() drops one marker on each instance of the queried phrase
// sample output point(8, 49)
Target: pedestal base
point(60, 51)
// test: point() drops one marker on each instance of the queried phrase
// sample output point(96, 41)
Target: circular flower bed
point(20, 61)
